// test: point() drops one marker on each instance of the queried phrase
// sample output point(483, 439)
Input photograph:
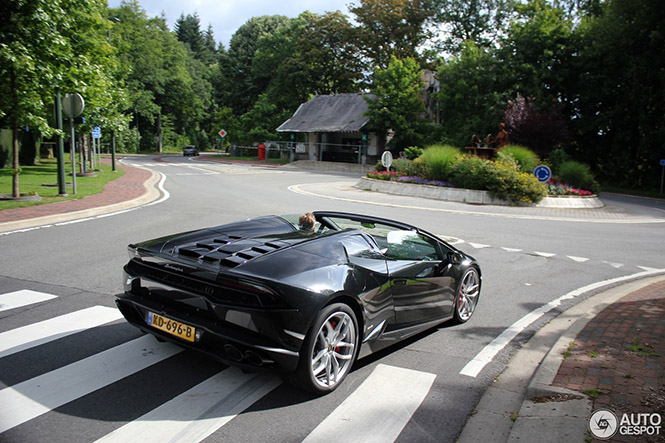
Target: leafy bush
point(471, 172)
point(556, 159)
point(525, 158)
point(578, 175)
point(437, 161)
point(509, 183)
point(413, 152)
point(405, 165)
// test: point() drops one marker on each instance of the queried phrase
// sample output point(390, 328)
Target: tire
point(468, 293)
point(329, 350)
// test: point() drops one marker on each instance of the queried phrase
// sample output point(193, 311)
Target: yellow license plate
point(172, 327)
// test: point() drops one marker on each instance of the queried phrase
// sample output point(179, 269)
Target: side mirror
point(455, 257)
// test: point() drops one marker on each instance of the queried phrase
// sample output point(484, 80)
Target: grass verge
point(42, 179)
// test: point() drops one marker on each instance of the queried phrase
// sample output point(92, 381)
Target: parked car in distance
point(190, 150)
point(301, 299)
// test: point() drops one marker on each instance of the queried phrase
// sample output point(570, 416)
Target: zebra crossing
point(192, 415)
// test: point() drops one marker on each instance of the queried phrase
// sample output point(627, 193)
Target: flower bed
point(471, 196)
point(422, 181)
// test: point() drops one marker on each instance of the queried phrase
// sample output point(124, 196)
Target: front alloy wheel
point(330, 350)
point(467, 295)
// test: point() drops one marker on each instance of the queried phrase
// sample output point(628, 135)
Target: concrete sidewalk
point(606, 352)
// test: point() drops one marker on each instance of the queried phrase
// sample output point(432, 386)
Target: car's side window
point(409, 245)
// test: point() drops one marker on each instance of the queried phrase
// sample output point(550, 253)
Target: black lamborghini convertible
point(265, 293)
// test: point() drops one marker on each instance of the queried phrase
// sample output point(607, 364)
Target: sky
point(226, 16)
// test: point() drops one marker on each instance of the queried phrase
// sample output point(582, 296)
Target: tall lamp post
point(108, 37)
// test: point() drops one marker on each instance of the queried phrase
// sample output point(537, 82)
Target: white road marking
point(196, 414)
point(39, 395)
point(577, 259)
point(544, 254)
point(450, 240)
point(487, 354)
point(24, 297)
point(379, 409)
point(29, 336)
point(511, 250)
point(614, 265)
point(479, 245)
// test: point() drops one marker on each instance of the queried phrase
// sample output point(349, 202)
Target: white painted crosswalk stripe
point(34, 397)
point(24, 297)
point(199, 412)
point(36, 334)
point(379, 409)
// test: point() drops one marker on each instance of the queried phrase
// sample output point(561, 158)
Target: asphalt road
point(106, 380)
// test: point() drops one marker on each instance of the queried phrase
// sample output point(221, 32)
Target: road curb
point(151, 194)
point(521, 404)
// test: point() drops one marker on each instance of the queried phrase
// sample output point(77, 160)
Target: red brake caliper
point(334, 324)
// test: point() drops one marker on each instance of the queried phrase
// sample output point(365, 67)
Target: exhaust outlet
point(233, 352)
point(253, 358)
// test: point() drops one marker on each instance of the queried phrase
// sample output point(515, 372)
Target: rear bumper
point(213, 339)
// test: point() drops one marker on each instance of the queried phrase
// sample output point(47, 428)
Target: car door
point(421, 286)
point(370, 282)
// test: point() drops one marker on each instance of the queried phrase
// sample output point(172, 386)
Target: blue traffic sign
point(96, 132)
point(662, 162)
point(542, 173)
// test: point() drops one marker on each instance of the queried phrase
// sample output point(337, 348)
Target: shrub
point(437, 161)
point(578, 175)
point(405, 165)
point(509, 183)
point(413, 152)
point(526, 159)
point(471, 172)
point(556, 159)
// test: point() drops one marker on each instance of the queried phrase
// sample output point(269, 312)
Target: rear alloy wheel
point(329, 351)
point(467, 295)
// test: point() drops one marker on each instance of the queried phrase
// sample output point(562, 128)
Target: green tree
point(620, 101)
point(158, 76)
point(472, 95)
point(312, 54)
point(49, 46)
point(538, 50)
point(397, 104)
point(188, 30)
point(392, 27)
point(477, 21)
point(241, 88)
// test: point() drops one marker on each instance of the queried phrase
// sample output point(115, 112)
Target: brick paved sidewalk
point(124, 188)
point(618, 359)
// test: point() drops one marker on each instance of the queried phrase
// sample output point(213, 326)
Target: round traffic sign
point(386, 159)
point(73, 105)
point(542, 173)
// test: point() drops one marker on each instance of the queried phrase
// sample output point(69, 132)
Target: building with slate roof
point(334, 128)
